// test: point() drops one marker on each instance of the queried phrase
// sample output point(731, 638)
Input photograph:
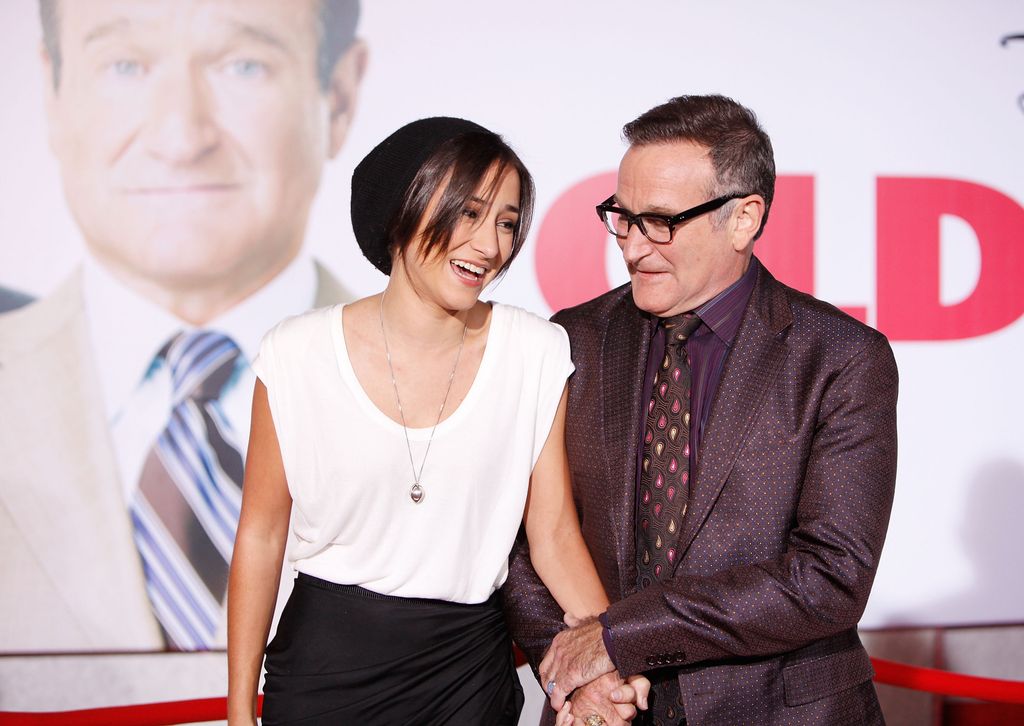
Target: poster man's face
point(191, 134)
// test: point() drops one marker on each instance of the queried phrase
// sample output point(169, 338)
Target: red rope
point(146, 714)
point(215, 709)
point(946, 683)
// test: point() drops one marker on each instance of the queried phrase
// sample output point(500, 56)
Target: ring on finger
point(550, 688)
point(594, 720)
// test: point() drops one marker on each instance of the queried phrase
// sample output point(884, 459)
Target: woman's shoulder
point(297, 329)
point(528, 327)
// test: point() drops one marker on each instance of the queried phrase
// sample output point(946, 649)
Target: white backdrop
point(849, 94)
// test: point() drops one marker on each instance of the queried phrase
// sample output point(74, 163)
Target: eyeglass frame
point(672, 221)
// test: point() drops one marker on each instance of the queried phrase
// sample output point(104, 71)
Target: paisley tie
point(665, 484)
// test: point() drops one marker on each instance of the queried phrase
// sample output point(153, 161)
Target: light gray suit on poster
point(72, 577)
point(191, 140)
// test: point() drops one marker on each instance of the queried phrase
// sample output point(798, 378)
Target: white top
point(348, 469)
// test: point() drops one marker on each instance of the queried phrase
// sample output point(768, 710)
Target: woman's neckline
point(347, 371)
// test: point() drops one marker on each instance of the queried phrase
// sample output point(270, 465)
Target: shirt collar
point(127, 331)
point(723, 313)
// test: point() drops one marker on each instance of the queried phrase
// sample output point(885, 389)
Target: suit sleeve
point(819, 586)
point(534, 618)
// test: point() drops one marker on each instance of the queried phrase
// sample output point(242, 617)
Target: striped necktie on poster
point(185, 509)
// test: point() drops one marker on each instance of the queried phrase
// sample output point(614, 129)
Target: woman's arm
point(557, 550)
point(561, 559)
point(256, 562)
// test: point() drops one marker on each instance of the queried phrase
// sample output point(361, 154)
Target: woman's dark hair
point(459, 166)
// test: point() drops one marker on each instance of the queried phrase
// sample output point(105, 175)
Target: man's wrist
point(606, 636)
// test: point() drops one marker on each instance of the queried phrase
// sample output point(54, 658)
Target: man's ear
point(746, 221)
point(343, 92)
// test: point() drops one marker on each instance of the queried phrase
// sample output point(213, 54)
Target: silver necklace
point(416, 491)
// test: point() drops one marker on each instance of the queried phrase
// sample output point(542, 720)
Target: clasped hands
point(577, 659)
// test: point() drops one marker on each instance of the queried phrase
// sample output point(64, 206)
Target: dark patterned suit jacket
point(788, 512)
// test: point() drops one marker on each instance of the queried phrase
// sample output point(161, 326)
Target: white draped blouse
point(348, 471)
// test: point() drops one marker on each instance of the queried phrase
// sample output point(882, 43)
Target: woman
point(409, 433)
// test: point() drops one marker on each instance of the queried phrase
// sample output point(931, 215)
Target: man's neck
point(198, 302)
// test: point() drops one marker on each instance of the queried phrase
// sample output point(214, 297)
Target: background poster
point(898, 132)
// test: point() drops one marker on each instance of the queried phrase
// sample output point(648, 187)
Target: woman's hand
point(241, 720)
point(641, 689)
point(608, 700)
point(635, 691)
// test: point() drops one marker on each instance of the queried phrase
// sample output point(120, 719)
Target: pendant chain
point(416, 492)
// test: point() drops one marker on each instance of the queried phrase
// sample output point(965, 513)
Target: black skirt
point(345, 655)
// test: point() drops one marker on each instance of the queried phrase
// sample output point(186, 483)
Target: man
point(191, 136)
point(733, 451)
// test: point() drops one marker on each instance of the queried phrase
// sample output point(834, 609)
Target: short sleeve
point(264, 364)
point(555, 368)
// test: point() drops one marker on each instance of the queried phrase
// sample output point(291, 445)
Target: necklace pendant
point(416, 494)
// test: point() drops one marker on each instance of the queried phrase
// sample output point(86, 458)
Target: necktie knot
point(679, 327)
point(201, 363)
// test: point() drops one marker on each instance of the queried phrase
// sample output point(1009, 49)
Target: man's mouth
point(179, 189)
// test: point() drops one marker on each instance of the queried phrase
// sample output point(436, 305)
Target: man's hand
point(576, 656)
point(608, 697)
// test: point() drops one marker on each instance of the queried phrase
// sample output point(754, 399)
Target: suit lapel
point(61, 483)
point(329, 291)
point(750, 370)
point(624, 361)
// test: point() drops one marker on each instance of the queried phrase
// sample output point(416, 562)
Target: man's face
point(702, 259)
point(191, 134)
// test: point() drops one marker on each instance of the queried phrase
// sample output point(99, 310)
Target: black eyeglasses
point(658, 228)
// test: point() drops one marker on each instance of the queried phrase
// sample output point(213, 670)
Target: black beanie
point(382, 179)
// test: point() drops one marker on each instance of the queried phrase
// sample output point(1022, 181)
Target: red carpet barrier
point(215, 709)
point(946, 683)
point(145, 714)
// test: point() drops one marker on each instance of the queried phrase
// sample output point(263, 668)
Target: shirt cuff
point(606, 636)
